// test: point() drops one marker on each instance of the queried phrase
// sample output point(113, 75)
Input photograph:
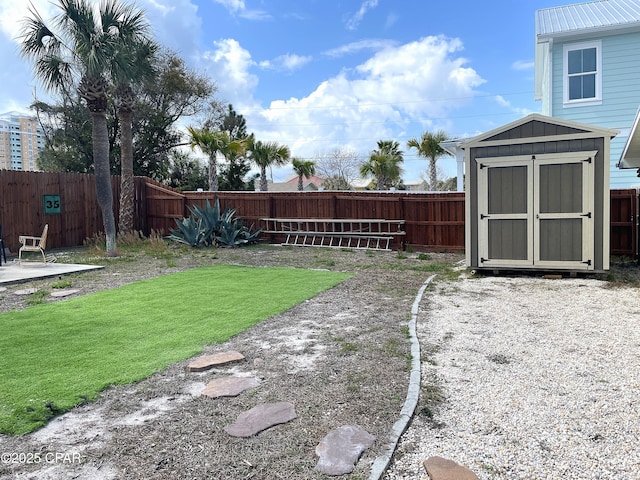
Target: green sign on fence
point(51, 204)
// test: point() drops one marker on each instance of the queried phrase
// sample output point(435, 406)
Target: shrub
point(209, 226)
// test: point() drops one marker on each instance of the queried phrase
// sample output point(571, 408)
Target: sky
point(320, 75)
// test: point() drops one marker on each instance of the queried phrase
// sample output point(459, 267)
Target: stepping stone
point(439, 468)
point(64, 293)
point(26, 291)
point(209, 361)
point(260, 418)
point(229, 386)
point(340, 449)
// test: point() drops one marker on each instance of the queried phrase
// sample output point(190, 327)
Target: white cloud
point(396, 93)
point(392, 18)
point(176, 23)
point(503, 102)
point(238, 7)
point(229, 66)
point(354, 21)
point(355, 47)
point(522, 65)
point(287, 63)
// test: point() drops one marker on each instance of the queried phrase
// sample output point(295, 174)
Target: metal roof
point(589, 16)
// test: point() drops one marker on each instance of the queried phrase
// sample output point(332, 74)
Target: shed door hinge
point(588, 160)
point(588, 215)
point(483, 216)
point(588, 262)
point(482, 260)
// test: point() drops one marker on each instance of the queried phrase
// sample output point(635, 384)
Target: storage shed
point(537, 194)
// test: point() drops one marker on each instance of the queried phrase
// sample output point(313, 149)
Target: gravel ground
point(340, 358)
point(538, 379)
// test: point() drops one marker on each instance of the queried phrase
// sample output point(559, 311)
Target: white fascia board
point(630, 157)
point(541, 61)
point(580, 33)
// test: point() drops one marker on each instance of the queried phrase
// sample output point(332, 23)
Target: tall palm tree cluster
point(263, 154)
point(105, 50)
point(384, 164)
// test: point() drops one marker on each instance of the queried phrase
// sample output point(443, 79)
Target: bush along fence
point(432, 221)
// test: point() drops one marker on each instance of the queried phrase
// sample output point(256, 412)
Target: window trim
point(597, 100)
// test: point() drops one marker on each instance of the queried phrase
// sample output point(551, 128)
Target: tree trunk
point(433, 175)
point(104, 193)
point(127, 189)
point(213, 172)
point(300, 184)
point(264, 186)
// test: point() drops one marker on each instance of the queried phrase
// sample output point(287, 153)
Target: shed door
point(564, 212)
point(536, 211)
point(506, 212)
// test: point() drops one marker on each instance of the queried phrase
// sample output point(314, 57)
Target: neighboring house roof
point(589, 17)
point(288, 186)
point(316, 180)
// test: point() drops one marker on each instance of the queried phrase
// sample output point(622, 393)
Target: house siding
point(620, 95)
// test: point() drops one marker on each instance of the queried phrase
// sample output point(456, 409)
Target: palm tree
point(133, 65)
point(84, 49)
point(303, 168)
point(267, 154)
point(212, 143)
point(384, 164)
point(429, 147)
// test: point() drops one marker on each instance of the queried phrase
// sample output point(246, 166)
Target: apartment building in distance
point(20, 140)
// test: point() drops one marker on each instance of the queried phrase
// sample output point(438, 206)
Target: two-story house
point(587, 69)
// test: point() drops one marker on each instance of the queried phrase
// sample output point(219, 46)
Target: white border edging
point(381, 463)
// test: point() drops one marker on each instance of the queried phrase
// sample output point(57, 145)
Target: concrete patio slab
point(12, 272)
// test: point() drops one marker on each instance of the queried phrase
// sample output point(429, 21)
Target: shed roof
point(512, 130)
point(601, 15)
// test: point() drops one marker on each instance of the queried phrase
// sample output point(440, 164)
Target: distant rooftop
point(588, 16)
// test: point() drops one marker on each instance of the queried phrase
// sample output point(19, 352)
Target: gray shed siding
point(536, 131)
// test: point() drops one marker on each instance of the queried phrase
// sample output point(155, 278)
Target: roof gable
point(536, 125)
point(580, 18)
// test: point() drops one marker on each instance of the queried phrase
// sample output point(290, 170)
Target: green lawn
point(55, 356)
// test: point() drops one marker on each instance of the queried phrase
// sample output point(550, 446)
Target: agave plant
point(210, 217)
point(209, 226)
point(189, 231)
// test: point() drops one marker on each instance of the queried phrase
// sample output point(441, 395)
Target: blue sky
point(318, 75)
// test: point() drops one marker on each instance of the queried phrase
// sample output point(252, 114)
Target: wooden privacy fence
point(432, 221)
point(65, 201)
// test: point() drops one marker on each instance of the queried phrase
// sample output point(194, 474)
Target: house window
point(582, 73)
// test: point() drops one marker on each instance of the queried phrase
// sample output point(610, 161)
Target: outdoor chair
point(3, 254)
point(34, 244)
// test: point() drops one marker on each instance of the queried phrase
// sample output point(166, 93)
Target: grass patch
point(37, 298)
point(58, 355)
point(62, 284)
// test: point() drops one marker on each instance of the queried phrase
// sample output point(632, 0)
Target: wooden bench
point(372, 234)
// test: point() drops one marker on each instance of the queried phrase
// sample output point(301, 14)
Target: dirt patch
point(341, 358)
